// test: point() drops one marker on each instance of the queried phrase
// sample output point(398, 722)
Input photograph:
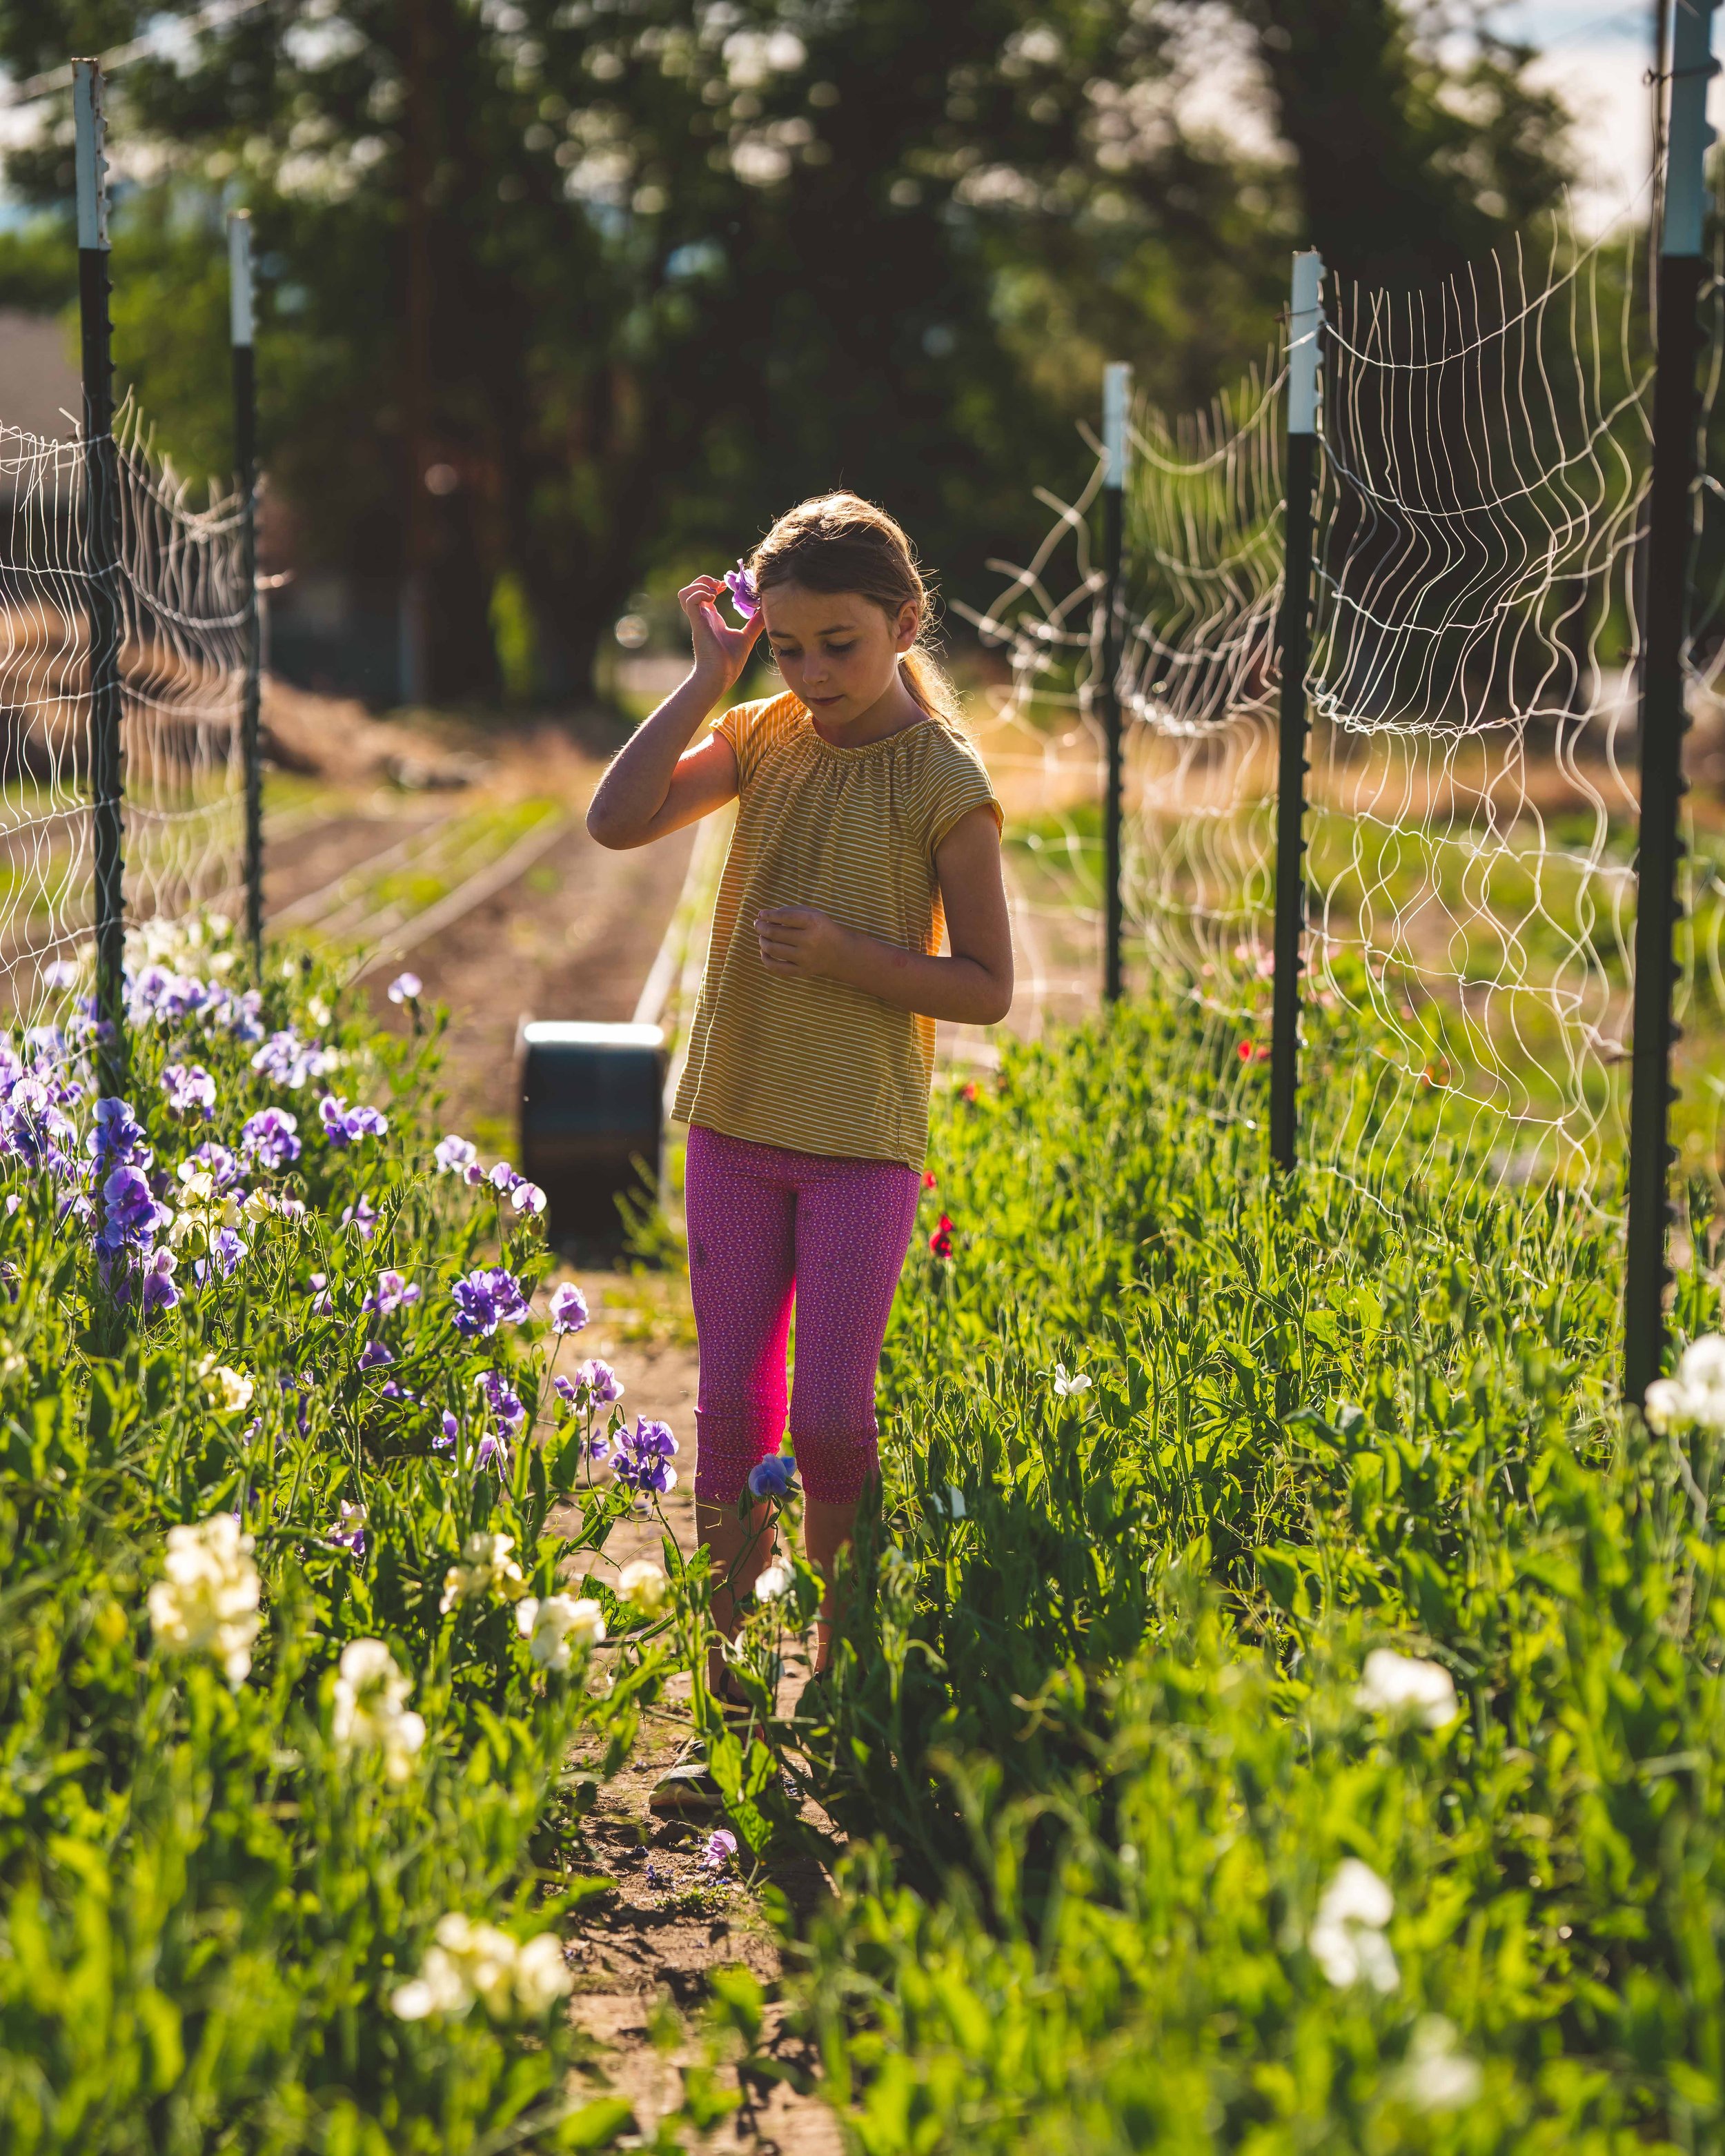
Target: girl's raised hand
point(721, 652)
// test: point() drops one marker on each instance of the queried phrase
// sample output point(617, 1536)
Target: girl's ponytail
point(839, 543)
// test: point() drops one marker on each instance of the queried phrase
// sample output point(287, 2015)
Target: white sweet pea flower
point(542, 1975)
point(1696, 1394)
point(557, 1627)
point(1068, 1387)
point(1398, 1684)
point(1347, 1936)
point(642, 1583)
point(472, 1961)
point(486, 1568)
point(370, 1711)
point(231, 1390)
point(1436, 2075)
point(773, 1581)
point(208, 1602)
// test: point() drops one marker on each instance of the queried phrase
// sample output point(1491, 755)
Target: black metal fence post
point(1116, 397)
point(1294, 638)
point(245, 457)
point(1676, 415)
point(101, 568)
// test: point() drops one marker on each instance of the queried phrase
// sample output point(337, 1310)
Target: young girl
point(865, 823)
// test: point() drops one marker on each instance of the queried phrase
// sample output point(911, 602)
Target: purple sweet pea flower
point(362, 1218)
point(321, 1306)
point(488, 1449)
point(159, 1292)
point(503, 1178)
point(527, 1198)
point(345, 1126)
point(504, 1404)
point(740, 585)
point(720, 1848)
point(216, 1160)
point(285, 1060)
point(270, 1139)
point(130, 1212)
point(453, 1154)
point(601, 1382)
point(226, 1250)
point(486, 1299)
point(191, 1090)
point(473, 1175)
point(392, 1292)
point(389, 1390)
point(404, 988)
point(374, 1356)
point(774, 1476)
point(641, 1458)
point(350, 1530)
point(568, 1309)
point(118, 1137)
point(450, 1431)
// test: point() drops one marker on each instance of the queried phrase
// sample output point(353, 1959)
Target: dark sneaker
point(688, 1789)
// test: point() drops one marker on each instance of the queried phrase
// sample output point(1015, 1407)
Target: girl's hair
point(839, 543)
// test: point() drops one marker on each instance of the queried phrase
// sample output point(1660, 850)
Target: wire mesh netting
point(1484, 457)
point(183, 630)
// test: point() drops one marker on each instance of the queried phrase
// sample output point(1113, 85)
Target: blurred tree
point(558, 291)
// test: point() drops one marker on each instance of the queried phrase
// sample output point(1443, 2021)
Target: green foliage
point(210, 1895)
point(1097, 1723)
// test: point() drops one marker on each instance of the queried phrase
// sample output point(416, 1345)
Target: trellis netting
point(1483, 466)
point(180, 586)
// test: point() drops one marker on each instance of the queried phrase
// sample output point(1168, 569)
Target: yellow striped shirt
point(813, 1065)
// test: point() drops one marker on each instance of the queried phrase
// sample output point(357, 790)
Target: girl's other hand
point(800, 939)
point(721, 652)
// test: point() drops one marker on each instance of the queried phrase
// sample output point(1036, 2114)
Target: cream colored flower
point(370, 1710)
point(542, 1975)
point(232, 1391)
point(642, 1583)
point(1696, 1393)
point(1398, 1684)
point(1067, 1388)
point(1436, 2075)
point(773, 1581)
point(1347, 1936)
point(473, 1961)
point(486, 1568)
point(554, 1628)
point(207, 1601)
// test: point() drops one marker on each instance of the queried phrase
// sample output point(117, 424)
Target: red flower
point(1246, 1051)
point(941, 1241)
point(970, 1092)
point(929, 1178)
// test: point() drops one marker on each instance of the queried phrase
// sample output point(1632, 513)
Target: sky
point(1594, 54)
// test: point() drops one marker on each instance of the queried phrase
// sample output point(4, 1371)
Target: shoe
point(687, 1790)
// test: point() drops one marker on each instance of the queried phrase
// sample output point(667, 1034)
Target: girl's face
point(838, 651)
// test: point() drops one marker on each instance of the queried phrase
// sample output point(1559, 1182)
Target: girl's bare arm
point(972, 987)
point(656, 782)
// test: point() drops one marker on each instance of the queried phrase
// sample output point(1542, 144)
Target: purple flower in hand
point(270, 1139)
point(568, 1309)
point(190, 1090)
point(486, 1299)
point(744, 598)
point(453, 1154)
point(641, 1458)
point(774, 1476)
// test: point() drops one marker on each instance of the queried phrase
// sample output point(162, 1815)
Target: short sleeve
point(957, 783)
point(741, 726)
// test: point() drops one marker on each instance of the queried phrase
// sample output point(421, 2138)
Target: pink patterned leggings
point(765, 1224)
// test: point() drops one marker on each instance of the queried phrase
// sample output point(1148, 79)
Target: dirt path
point(644, 1957)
